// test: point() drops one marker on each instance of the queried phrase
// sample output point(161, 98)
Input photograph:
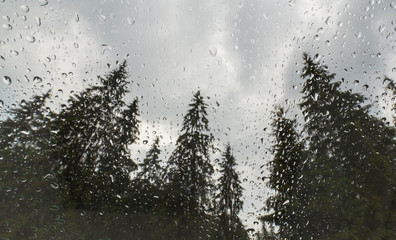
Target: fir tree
point(230, 197)
point(147, 194)
point(348, 178)
point(151, 170)
point(95, 130)
point(28, 185)
point(190, 171)
point(285, 178)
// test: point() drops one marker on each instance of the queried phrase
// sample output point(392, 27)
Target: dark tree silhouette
point(230, 197)
point(285, 178)
point(349, 175)
point(95, 130)
point(151, 170)
point(190, 170)
point(28, 186)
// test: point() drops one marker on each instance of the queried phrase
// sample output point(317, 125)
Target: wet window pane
point(197, 119)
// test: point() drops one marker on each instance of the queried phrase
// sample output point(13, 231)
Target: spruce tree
point(151, 170)
point(28, 186)
point(285, 178)
point(96, 128)
point(348, 178)
point(190, 171)
point(391, 218)
point(147, 195)
point(230, 197)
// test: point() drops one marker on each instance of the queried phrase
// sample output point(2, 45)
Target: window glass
point(239, 119)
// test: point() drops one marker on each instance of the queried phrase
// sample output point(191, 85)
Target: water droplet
point(76, 45)
point(356, 82)
point(317, 58)
point(106, 48)
point(1, 104)
point(37, 79)
point(6, 18)
point(25, 8)
point(213, 52)
point(102, 18)
point(49, 176)
point(393, 5)
point(54, 185)
point(76, 17)
point(54, 208)
point(30, 39)
point(145, 142)
point(7, 26)
point(7, 80)
point(64, 75)
point(38, 21)
point(43, 2)
point(381, 28)
point(328, 20)
point(358, 35)
point(130, 20)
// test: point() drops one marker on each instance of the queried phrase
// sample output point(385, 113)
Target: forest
point(70, 174)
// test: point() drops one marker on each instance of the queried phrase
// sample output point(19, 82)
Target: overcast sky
point(245, 56)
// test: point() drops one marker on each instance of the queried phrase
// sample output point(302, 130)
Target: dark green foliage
point(349, 178)
point(151, 169)
point(27, 178)
point(230, 198)
point(347, 186)
point(267, 234)
point(95, 130)
point(285, 178)
point(146, 194)
point(67, 175)
point(190, 172)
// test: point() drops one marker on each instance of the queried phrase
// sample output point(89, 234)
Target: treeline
point(336, 178)
point(68, 174)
